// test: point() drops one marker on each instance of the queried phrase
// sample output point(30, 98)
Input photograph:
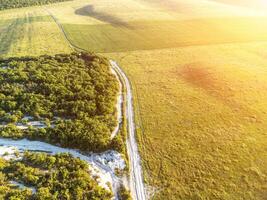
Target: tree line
point(8, 4)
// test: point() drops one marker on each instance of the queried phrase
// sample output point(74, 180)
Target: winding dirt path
point(136, 178)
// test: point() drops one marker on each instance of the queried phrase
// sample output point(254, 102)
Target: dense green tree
point(2, 178)
point(76, 89)
point(124, 194)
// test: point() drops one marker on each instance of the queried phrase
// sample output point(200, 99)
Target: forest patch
point(73, 95)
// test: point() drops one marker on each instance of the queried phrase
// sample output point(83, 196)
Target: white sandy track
point(136, 179)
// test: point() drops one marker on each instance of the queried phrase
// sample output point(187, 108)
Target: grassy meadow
point(199, 75)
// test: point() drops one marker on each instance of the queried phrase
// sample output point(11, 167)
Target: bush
point(124, 194)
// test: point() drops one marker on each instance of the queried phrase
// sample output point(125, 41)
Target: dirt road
point(136, 178)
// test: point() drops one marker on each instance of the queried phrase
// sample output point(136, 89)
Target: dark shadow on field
point(89, 10)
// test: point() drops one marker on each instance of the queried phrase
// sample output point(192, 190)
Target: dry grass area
point(201, 114)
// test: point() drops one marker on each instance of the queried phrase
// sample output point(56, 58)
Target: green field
point(152, 34)
point(30, 32)
point(198, 70)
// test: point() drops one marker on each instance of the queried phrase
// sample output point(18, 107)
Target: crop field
point(199, 76)
point(152, 34)
point(111, 29)
point(29, 32)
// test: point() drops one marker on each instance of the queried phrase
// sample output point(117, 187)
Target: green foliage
point(2, 178)
point(124, 194)
point(76, 92)
point(54, 177)
point(2, 163)
point(7, 4)
point(11, 131)
point(18, 195)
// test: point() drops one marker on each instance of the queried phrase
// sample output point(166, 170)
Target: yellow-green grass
point(126, 25)
point(120, 36)
point(200, 107)
point(201, 118)
point(30, 33)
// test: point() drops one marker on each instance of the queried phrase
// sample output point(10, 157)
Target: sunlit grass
point(201, 114)
point(142, 35)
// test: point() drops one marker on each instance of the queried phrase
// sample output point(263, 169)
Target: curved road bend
point(136, 179)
